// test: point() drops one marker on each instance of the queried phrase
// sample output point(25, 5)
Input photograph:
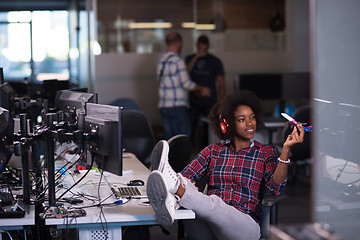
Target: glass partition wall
point(140, 26)
point(336, 73)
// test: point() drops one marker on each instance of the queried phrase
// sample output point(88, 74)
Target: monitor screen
point(1, 75)
point(51, 87)
point(20, 88)
point(6, 136)
point(7, 94)
point(106, 121)
point(265, 86)
point(276, 86)
point(296, 86)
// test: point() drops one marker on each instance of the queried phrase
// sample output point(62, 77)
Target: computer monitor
point(85, 90)
point(7, 94)
point(67, 100)
point(6, 136)
point(21, 88)
point(51, 87)
point(276, 86)
point(265, 86)
point(296, 86)
point(1, 75)
point(106, 121)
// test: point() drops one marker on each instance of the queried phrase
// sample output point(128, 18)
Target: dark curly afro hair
point(227, 107)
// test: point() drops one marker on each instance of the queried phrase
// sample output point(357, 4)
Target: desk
point(8, 224)
point(272, 125)
point(92, 226)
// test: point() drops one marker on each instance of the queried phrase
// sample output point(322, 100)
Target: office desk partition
point(106, 221)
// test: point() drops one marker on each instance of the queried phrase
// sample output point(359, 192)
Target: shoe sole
point(157, 194)
point(160, 149)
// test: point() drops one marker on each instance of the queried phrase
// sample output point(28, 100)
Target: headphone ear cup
point(223, 126)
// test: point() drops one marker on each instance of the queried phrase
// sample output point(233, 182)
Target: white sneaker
point(159, 154)
point(160, 162)
point(163, 202)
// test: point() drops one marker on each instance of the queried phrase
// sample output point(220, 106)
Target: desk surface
point(134, 212)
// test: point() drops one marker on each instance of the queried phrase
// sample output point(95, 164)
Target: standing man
point(207, 70)
point(174, 85)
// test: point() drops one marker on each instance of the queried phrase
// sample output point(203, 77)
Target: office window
point(15, 44)
point(34, 45)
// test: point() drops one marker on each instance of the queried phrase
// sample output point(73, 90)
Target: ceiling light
point(198, 26)
point(188, 25)
point(148, 25)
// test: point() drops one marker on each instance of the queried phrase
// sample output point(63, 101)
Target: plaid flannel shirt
point(238, 178)
point(174, 82)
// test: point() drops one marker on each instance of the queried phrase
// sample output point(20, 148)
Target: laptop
point(122, 191)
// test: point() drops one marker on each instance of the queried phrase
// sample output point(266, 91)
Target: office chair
point(179, 157)
point(126, 103)
point(269, 207)
point(137, 135)
point(179, 151)
point(300, 153)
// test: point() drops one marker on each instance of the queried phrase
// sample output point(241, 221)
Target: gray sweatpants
point(225, 221)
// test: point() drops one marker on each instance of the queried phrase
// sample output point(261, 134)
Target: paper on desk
point(128, 173)
point(71, 157)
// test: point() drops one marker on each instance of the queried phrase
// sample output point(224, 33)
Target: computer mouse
point(136, 182)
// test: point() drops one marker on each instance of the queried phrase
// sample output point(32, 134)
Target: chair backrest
point(179, 151)
point(300, 151)
point(137, 135)
point(126, 103)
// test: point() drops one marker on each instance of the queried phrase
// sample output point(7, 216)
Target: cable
point(6, 183)
point(68, 226)
point(80, 195)
point(66, 191)
point(102, 215)
point(117, 202)
point(47, 185)
point(40, 196)
point(2, 231)
point(340, 172)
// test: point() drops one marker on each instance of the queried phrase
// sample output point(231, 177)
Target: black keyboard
point(6, 198)
point(12, 214)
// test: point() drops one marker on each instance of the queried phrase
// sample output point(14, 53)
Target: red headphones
point(224, 126)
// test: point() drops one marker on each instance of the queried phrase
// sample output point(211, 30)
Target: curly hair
point(227, 107)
